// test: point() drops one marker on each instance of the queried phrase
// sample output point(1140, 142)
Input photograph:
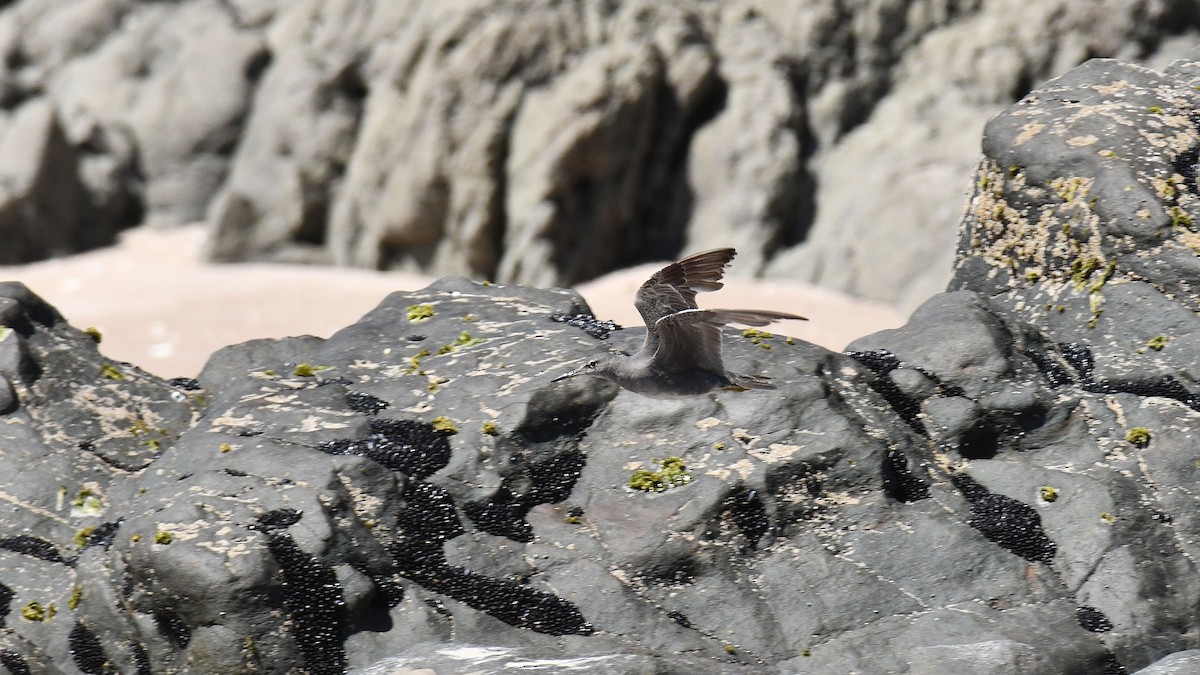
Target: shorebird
point(681, 355)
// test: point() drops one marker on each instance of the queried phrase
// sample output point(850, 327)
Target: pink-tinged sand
point(159, 306)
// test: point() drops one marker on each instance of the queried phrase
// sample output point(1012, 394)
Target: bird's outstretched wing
point(673, 288)
point(692, 338)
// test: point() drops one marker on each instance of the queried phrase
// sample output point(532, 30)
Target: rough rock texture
point(537, 142)
point(1000, 486)
point(548, 144)
point(137, 109)
point(44, 208)
point(324, 505)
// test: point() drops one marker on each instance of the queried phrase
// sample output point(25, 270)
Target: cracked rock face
point(998, 486)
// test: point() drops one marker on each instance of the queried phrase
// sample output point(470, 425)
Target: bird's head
point(600, 365)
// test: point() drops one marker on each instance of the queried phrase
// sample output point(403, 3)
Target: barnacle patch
point(588, 324)
point(1012, 525)
point(414, 448)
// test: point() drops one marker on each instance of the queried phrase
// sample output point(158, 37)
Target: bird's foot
point(734, 388)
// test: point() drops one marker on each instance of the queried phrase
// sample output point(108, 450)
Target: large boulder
point(177, 80)
point(44, 206)
point(325, 504)
point(138, 109)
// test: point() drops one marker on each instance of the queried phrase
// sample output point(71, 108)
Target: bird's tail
point(751, 317)
point(739, 382)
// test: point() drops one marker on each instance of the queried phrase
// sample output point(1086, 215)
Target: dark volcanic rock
point(280, 524)
point(994, 487)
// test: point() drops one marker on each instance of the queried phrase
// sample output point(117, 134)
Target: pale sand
point(159, 306)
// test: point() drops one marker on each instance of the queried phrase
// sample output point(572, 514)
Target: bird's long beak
point(566, 376)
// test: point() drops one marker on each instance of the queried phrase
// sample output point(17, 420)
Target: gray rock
point(950, 418)
point(178, 80)
point(547, 145)
point(43, 209)
point(303, 505)
point(8, 396)
point(1179, 663)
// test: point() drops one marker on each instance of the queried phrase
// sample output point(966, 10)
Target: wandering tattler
point(682, 352)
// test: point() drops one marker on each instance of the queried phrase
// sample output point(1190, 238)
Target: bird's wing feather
point(673, 288)
point(689, 339)
point(692, 338)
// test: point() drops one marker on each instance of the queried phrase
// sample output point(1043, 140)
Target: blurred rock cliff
point(533, 142)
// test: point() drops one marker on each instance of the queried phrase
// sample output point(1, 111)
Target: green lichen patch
point(1048, 494)
point(74, 598)
point(141, 430)
point(1099, 283)
point(1096, 304)
point(575, 516)
point(489, 429)
point(671, 473)
point(419, 312)
point(1155, 110)
point(1068, 189)
point(225, 447)
point(87, 503)
point(140, 427)
point(112, 372)
point(308, 370)
point(1158, 342)
point(1166, 188)
point(758, 337)
point(754, 333)
point(93, 333)
point(445, 425)
point(464, 339)
point(163, 537)
point(1108, 517)
point(414, 362)
point(35, 611)
point(435, 383)
point(1138, 437)
point(82, 537)
point(1082, 269)
point(1180, 218)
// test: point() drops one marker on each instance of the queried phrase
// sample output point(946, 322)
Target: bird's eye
point(591, 365)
